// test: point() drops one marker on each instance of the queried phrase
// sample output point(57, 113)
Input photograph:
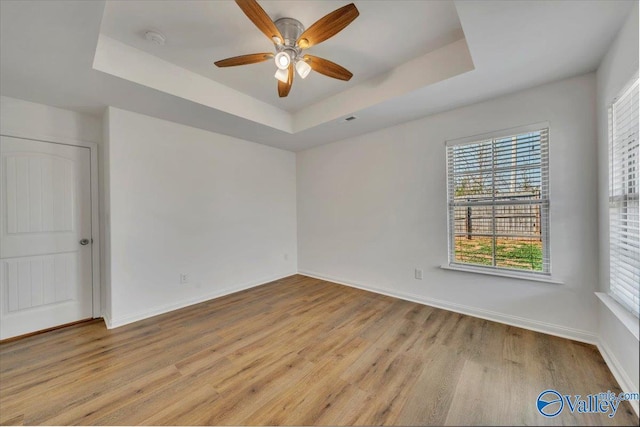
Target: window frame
point(545, 274)
point(614, 200)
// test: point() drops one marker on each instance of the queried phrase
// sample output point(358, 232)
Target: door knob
point(84, 242)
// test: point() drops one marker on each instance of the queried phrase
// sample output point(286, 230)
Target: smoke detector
point(155, 37)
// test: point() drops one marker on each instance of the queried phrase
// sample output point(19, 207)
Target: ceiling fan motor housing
point(291, 29)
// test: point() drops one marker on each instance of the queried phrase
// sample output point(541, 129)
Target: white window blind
point(498, 194)
point(624, 211)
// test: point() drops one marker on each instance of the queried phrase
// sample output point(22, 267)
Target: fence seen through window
point(498, 202)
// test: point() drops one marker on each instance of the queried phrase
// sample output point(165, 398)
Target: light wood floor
point(298, 351)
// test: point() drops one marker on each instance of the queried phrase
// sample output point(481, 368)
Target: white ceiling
point(47, 51)
point(198, 33)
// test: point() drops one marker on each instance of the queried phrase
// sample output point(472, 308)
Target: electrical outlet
point(418, 273)
point(184, 278)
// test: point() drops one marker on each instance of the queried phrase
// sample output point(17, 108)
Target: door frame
point(95, 204)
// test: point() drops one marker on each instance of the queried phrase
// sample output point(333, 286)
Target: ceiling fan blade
point(284, 88)
point(244, 59)
point(328, 26)
point(259, 17)
point(328, 68)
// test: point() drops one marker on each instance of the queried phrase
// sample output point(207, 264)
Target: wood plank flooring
point(298, 351)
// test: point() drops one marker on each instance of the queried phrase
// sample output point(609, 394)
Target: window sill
point(502, 273)
point(630, 321)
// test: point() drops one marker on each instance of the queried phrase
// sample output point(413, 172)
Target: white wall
point(38, 121)
point(373, 208)
point(617, 68)
point(184, 200)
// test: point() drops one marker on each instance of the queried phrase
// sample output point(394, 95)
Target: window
point(624, 213)
point(498, 194)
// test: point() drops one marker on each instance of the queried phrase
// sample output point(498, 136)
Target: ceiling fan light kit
point(303, 68)
point(282, 75)
point(288, 52)
point(283, 59)
point(290, 39)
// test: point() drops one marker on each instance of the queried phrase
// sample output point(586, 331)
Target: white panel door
point(45, 248)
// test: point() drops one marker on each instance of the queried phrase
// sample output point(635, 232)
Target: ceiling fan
point(291, 39)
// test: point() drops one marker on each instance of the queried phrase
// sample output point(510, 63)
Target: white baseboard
point(521, 322)
point(618, 372)
point(107, 320)
point(125, 320)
